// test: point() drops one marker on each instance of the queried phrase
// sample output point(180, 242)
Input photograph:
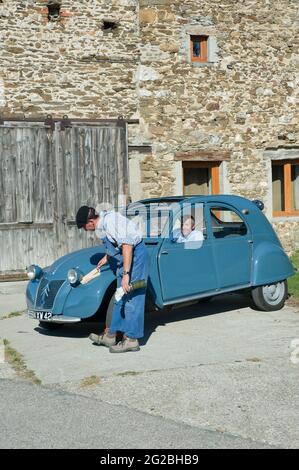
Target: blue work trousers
point(128, 313)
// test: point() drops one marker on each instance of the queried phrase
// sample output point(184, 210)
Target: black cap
point(82, 216)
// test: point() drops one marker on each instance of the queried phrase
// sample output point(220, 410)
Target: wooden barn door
point(26, 197)
point(92, 169)
point(46, 173)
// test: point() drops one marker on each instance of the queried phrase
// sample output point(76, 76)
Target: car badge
point(45, 292)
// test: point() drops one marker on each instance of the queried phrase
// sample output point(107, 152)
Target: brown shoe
point(126, 345)
point(103, 340)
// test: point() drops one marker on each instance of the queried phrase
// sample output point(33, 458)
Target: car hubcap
point(274, 293)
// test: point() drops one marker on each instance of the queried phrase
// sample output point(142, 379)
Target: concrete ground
point(217, 367)
point(12, 297)
point(47, 418)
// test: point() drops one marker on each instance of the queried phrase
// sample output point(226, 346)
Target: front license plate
point(39, 315)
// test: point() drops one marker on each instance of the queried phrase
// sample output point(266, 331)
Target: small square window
point(285, 187)
point(199, 48)
point(200, 178)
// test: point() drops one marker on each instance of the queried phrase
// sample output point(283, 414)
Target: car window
point(164, 218)
point(152, 219)
point(226, 222)
point(189, 225)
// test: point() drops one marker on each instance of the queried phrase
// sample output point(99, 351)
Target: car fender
point(270, 264)
point(83, 301)
point(31, 291)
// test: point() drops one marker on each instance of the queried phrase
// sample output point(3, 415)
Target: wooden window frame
point(213, 166)
point(204, 45)
point(288, 193)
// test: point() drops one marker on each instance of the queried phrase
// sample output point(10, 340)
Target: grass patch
point(293, 282)
point(16, 361)
point(13, 314)
point(91, 381)
point(253, 359)
point(134, 372)
point(128, 372)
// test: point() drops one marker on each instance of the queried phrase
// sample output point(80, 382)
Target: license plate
point(39, 315)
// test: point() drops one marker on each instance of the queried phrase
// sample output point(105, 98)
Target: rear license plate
point(40, 315)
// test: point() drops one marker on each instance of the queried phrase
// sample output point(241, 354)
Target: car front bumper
point(50, 318)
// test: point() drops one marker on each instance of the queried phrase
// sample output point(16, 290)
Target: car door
point(232, 245)
point(186, 269)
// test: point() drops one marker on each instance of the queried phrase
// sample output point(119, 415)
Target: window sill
point(285, 218)
point(202, 64)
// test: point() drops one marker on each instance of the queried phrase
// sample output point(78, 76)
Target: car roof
point(238, 201)
point(255, 217)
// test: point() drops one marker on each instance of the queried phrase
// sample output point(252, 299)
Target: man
point(123, 243)
point(187, 232)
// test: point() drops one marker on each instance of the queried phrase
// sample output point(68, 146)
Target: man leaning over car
point(123, 243)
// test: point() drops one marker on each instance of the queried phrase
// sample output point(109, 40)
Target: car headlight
point(34, 272)
point(74, 277)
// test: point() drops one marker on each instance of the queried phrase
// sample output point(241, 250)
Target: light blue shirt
point(194, 236)
point(118, 229)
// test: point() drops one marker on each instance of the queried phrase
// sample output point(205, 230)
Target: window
point(165, 217)
point(226, 223)
point(53, 10)
point(152, 218)
point(199, 48)
point(285, 187)
point(200, 178)
point(109, 25)
point(189, 224)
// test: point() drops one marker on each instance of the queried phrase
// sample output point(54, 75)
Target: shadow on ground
point(154, 319)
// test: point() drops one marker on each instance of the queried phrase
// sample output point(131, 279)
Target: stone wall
point(71, 66)
point(242, 102)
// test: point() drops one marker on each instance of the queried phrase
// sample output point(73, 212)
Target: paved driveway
point(216, 366)
point(12, 297)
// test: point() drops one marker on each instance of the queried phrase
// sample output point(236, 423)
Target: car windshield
point(151, 218)
point(161, 218)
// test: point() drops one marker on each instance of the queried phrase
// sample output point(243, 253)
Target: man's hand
point(103, 261)
point(125, 283)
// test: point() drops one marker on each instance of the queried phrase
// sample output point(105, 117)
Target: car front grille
point(46, 293)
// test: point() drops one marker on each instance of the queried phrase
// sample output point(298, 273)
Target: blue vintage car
point(236, 249)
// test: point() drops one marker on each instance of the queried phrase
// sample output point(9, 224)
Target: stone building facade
point(219, 120)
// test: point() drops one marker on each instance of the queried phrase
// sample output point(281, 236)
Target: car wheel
point(50, 326)
point(270, 297)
